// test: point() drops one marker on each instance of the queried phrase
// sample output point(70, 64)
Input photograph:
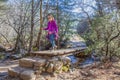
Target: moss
point(35, 49)
point(1, 56)
point(65, 68)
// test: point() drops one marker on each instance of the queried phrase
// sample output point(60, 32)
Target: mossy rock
point(65, 68)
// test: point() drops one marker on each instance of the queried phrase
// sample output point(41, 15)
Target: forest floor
point(107, 71)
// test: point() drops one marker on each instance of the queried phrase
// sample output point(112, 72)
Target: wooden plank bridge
point(60, 52)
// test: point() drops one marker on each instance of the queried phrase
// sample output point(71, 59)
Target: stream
point(84, 62)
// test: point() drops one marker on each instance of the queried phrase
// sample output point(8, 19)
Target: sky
point(88, 9)
point(77, 8)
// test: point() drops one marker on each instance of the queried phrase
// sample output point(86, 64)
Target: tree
point(3, 8)
point(107, 35)
point(41, 25)
point(32, 25)
point(101, 28)
point(19, 17)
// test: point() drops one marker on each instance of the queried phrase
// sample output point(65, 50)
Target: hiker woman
point(52, 30)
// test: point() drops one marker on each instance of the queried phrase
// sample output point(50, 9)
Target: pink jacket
point(52, 28)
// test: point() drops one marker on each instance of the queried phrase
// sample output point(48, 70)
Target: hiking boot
point(53, 48)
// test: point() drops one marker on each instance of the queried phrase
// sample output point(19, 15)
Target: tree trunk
point(41, 25)
point(107, 48)
point(32, 26)
point(58, 41)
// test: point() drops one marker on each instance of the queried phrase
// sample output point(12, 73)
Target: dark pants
point(52, 39)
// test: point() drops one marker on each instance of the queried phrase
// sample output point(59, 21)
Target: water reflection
point(87, 61)
point(81, 62)
point(73, 59)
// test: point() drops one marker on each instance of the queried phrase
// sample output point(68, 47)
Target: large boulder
point(26, 62)
point(15, 72)
point(28, 75)
point(39, 64)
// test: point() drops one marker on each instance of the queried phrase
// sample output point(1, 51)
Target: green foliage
point(3, 0)
point(35, 49)
point(105, 35)
point(1, 56)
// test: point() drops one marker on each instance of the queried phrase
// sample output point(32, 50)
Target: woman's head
point(50, 17)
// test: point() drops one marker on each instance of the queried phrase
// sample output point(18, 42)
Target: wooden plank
point(58, 52)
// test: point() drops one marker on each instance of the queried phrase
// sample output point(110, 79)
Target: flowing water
point(85, 61)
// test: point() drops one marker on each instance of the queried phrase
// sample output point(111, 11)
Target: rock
point(66, 60)
point(28, 75)
point(41, 77)
point(49, 67)
point(22, 73)
point(14, 72)
point(55, 64)
point(27, 62)
point(39, 63)
point(65, 68)
point(58, 66)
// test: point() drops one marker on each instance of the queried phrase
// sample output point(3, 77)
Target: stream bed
point(82, 62)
